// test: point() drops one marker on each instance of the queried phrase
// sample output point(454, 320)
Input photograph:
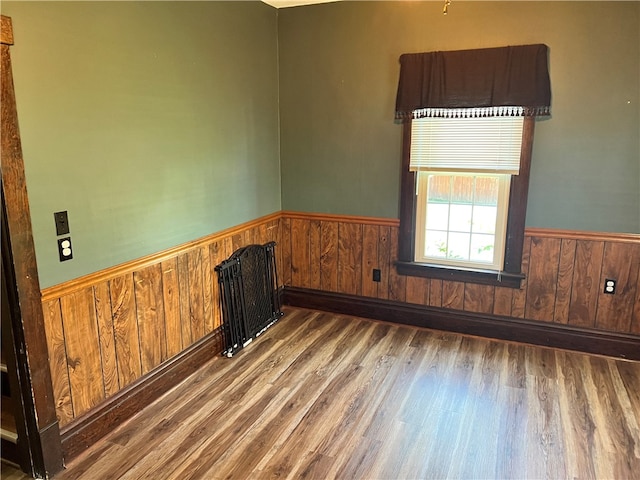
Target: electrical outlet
point(62, 223)
point(376, 274)
point(64, 249)
point(609, 286)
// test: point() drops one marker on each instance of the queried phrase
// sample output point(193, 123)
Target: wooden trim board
point(39, 441)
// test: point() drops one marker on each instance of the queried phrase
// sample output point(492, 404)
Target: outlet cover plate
point(65, 251)
point(609, 286)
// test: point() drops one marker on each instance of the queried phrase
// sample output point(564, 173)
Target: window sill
point(470, 275)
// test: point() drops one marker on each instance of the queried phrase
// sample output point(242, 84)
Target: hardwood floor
point(327, 396)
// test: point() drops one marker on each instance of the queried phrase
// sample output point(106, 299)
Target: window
point(449, 195)
point(461, 219)
point(464, 223)
point(461, 214)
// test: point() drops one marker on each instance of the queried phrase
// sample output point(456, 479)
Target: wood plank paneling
point(273, 235)
point(196, 293)
point(435, 292)
point(185, 300)
point(479, 298)
point(417, 290)
point(58, 361)
point(125, 327)
point(208, 279)
point(6, 30)
point(150, 316)
point(238, 240)
point(519, 298)
point(107, 338)
point(315, 253)
point(228, 247)
point(216, 258)
point(350, 258)
point(384, 260)
point(250, 236)
point(544, 295)
point(565, 280)
point(502, 298)
point(83, 350)
point(621, 262)
point(300, 255)
point(171, 301)
point(397, 283)
point(586, 283)
point(329, 256)
point(542, 278)
point(285, 249)
point(453, 295)
point(370, 239)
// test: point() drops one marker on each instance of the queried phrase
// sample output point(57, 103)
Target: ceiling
point(294, 3)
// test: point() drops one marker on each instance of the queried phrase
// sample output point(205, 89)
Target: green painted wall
point(156, 123)
point(152, 123)
point(340, 147)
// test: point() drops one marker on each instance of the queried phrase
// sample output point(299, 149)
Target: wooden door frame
point(42, 445)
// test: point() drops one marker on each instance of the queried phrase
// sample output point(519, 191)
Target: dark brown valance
point(488, 77)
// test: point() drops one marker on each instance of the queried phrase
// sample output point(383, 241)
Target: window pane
point(462, 190)
point(482, 248)
point(486, 191)
point(458, 248)
point(484, 219)
point(437, 216)
point(460, 219)
point(435, 244)
point(439, 189)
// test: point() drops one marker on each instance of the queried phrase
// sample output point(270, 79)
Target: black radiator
point(249, 296)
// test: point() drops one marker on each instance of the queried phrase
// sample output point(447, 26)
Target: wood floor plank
point(577, 419)
point(620, 437)
point(544, 431)
point(312, 427)
point(329, 396)
point(512, 447)
point(477, 412)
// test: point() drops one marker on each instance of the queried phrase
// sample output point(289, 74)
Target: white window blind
point(470, 144)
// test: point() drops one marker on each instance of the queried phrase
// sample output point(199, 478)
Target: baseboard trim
point(88, 429)
point(483, 325)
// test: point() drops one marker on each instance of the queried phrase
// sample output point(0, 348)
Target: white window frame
point(504, 181)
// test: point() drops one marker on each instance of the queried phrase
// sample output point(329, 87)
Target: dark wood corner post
point(42, 443)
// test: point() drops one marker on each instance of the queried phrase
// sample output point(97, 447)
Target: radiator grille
point(249, 296)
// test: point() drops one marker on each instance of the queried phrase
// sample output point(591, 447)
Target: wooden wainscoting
point(112, 334)
point(119, 337)
point(565, 273)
